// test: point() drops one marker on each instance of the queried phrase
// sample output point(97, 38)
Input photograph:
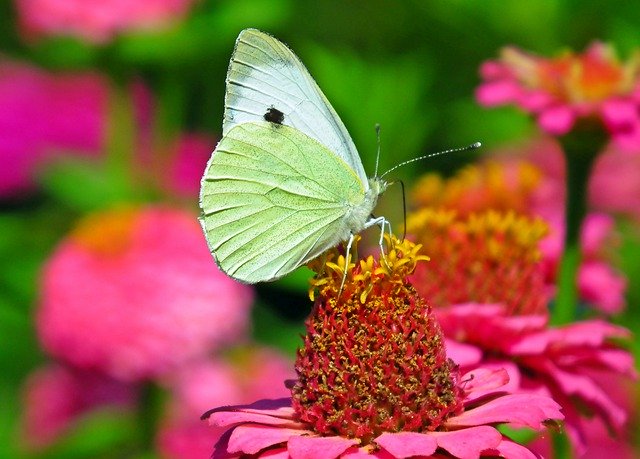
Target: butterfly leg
point(383, 223)
point(346, 262)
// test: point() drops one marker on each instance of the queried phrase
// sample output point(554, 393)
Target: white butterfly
point(285, 183)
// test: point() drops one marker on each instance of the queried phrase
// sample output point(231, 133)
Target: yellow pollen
point(504, 236)
point(400, 261)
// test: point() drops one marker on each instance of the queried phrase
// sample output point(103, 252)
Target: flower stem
point(149, 406)
point(581, 147)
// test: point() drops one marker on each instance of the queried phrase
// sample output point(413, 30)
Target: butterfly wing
point(265, 74)
point(272, 199)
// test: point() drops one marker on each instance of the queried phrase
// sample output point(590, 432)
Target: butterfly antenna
point(404, 211)
point(473, 146)
point(377, 154)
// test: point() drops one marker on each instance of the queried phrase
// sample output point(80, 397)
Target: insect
point(286, 182)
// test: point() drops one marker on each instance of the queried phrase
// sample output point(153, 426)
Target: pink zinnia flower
point(133, 293)
point(246, 374)
point(574, 364)
point(562, 90)
point(374, 380)
point(55, 396)
point(97, 21)
point(43, 115)
point(486, 280)
point(504, 221)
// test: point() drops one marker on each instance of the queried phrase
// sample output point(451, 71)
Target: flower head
point(592, 86)
point(488, 257)
point(132, 292)
point(96, 21)
point(500, 223)
point(374, 380)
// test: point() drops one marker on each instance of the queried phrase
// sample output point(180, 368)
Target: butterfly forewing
point(264, 74)
point(272, 199)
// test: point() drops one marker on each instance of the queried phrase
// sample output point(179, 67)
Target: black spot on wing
point(273, 115)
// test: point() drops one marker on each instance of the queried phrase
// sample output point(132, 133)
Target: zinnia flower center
point(488, 257)
point(373, 359)
point(106, 233)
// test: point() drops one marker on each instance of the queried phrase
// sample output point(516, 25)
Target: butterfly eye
point(273, 115)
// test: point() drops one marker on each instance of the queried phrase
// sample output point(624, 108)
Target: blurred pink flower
point(135, 293)
point(96, 21)
point(249, 374)
point(573, 364)
point(271, 428)
point(559, 91)
point(44, 114)
point(55, 396)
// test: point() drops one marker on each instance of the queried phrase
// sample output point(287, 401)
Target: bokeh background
point(104, 105)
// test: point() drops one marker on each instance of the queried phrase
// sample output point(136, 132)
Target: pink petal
point(534, 101)
point(468, 443)
point(407, 444)
point(463, 354)
point(512, 450)
point(557, 120)
point(361, 453)
point(619, 113)
point(590, 393)
point(270, 412)
point(498, 92)
point(483, 379)
point(280, 453)
point(587, 333)
point(252, 438)
point(490, 70)
point(596, 229)
point(628, 140)
point(600, 285)
point(517, 409)
point(318, 447)
point(511, 386)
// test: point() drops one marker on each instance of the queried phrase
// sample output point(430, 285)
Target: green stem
point(581, 148)
point(561, 446)
point(149, 408)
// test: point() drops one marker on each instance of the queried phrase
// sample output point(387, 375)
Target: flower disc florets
point(373, 359)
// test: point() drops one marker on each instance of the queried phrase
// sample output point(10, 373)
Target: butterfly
point(285, 183)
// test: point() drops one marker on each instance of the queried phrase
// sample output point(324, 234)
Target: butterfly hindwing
point(272, 199)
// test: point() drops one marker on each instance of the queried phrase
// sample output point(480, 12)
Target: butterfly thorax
point(359, 213)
